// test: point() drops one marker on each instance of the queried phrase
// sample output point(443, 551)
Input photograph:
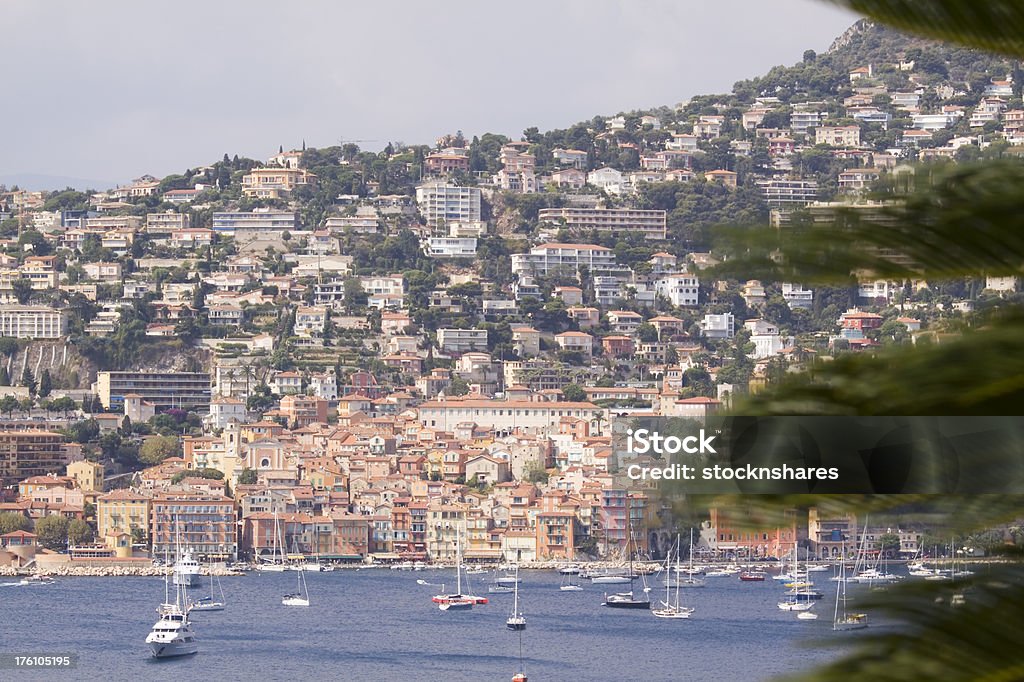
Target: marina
point(359, 636)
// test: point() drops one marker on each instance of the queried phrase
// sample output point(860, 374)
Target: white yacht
point(172, 635)
point(186, 570)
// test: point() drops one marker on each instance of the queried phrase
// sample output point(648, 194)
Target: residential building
point(274, 183)
point(122, 511)
point(32, 322)
point(167, 222)
point(28, 452)
point(461, 340)
point(579, 342)
point(788, 192)
point(651, 224)
point(450, 247)
point(180, 390)
point(506, 415)
point(797, 296)
point(204, 522)
point(722, 326)
point(88, 475)
point(838, 136)
point(259, 220)
point(682, 289)
point(554, 257)
point(441, 203)
point(725, 177)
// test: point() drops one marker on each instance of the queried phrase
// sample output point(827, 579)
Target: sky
point(109, 90)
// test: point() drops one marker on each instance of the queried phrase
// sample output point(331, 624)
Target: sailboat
point(457, 601)
point(301, 597)
point(672, 609)
point(516, 620)
point(627, 600)
point(172, 634)
point(503, 579)
point(276, 564)
point(211, 603)
point(690, 576)
point(569, 583)
point(801, 594)
point(846, 621)
point(315, 564)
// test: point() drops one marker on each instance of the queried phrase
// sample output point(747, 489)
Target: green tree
point(647, 332)
point(52, 532)
point(28, 380)
point(22, 290)
point(12, 521)
point(458, 386)
point(79, 532)
point(45, 384)
point(574, 393)
point(5, 377)
point(889, 543)
point(248, 477)
point(156, 449)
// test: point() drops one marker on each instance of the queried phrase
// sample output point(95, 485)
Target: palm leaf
point(959, 221)
point(992, 25)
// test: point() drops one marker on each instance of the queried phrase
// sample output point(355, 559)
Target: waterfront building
point(202, 522)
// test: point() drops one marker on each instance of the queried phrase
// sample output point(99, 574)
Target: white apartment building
point(933, 122)
point(797, 296)
point(32, 322)
point(552, 257)
point(440, 202)
point(648, 223)
point(383, 285)
point(226, 222)
point(167, 222)
point(450, 247)
point(782, 192)
point(310, 321)
point(681, 289)
point(721, 326)
point(461, 340)
point(801, 121)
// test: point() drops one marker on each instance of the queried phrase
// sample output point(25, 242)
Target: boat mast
point(458, 566)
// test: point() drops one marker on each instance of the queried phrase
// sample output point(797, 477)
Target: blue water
point(381, 625)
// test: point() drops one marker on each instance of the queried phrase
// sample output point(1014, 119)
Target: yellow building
point(446, 528)
point(88, 475)
point(122, 511)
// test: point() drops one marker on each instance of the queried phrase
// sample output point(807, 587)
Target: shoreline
point(148, 571)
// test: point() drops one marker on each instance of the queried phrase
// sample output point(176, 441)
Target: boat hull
point(186, 579)
point(675, 614)
point(631, 604)
point(173, 649)
point(612, 580)
point(294, 601)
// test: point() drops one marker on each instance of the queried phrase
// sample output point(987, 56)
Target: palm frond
point(993, 25)
point(979, 373)
point(959, 221)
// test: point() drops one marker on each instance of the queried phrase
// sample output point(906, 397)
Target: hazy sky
point(111, 89)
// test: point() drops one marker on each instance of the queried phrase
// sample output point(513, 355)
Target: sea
point(379, 624)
